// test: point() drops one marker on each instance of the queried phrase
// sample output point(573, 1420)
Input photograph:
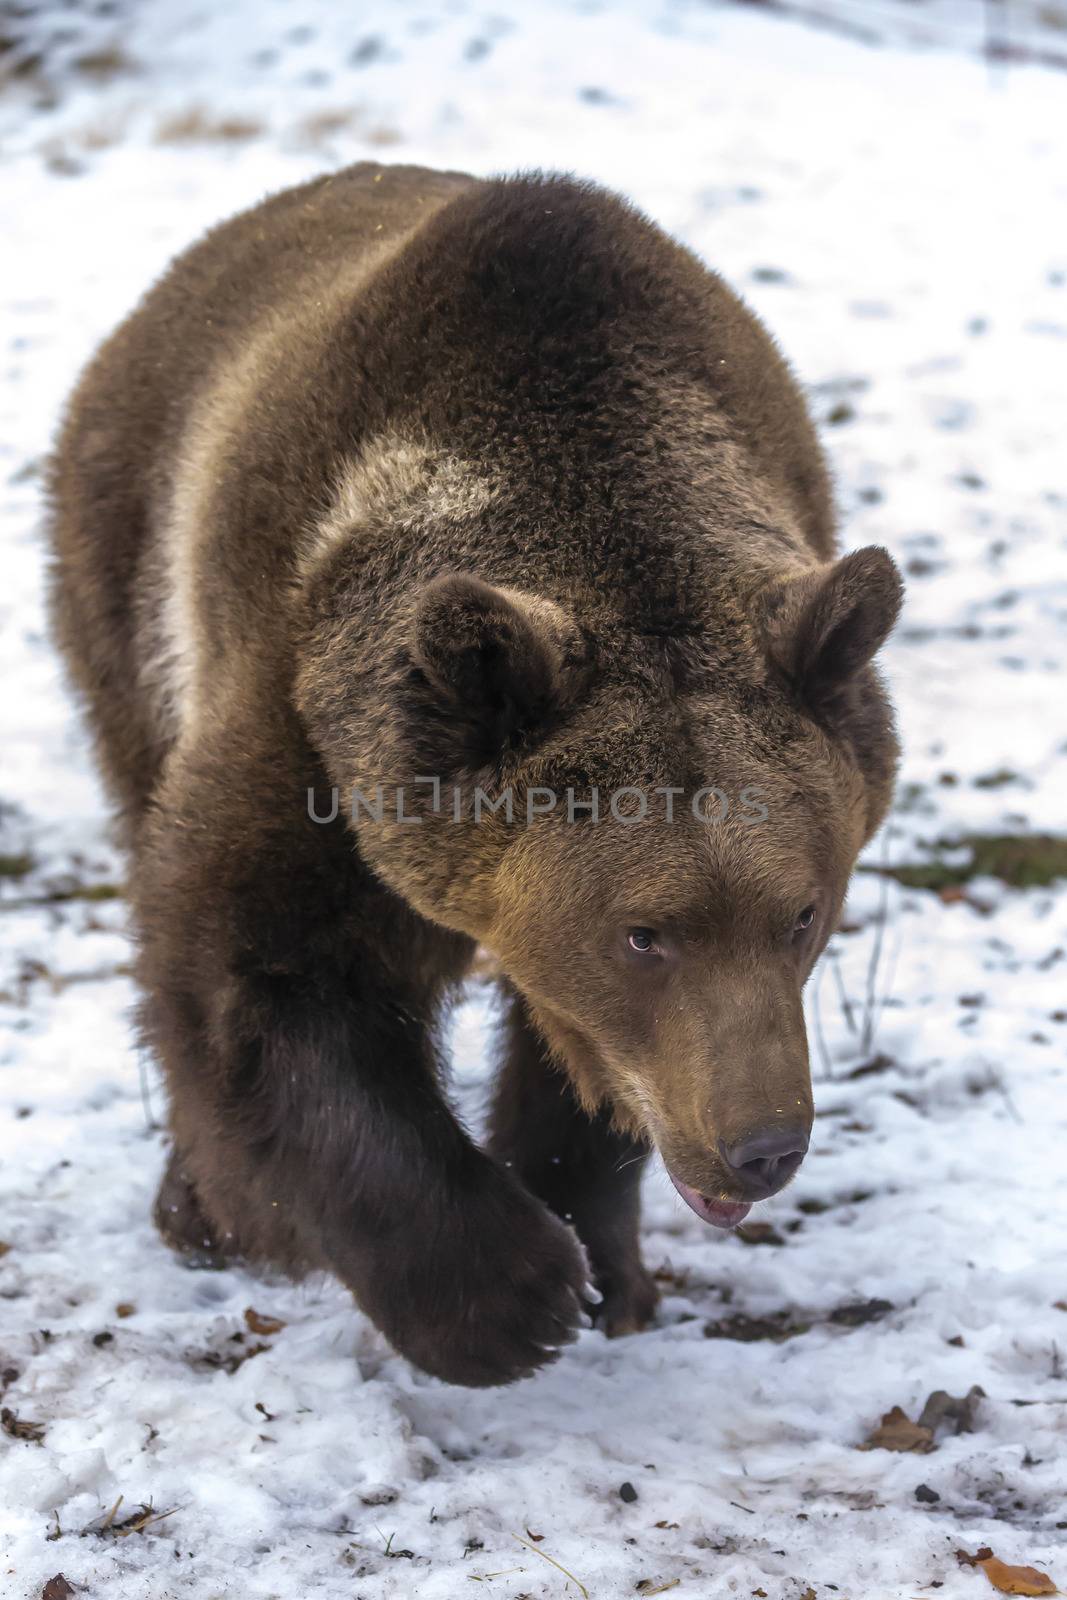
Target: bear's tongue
point(720, 1213)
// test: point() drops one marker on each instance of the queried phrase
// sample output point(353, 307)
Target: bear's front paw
point(491, 1293)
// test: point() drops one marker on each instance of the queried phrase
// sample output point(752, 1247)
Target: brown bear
point(450, 562)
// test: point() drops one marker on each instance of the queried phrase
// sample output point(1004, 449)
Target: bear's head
point(653, 835)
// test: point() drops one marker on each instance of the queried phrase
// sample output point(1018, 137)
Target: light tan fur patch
point(171, 622)
point(405, 483)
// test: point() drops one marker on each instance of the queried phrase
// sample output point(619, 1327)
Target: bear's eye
point(805, 920)
point(643, 940)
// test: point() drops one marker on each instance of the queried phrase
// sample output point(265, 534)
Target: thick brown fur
point(403, 475)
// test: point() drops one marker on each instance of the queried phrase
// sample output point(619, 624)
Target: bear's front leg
point(588, 1172)
point(293, 1003)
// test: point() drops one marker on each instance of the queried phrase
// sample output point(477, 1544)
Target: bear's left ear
point(823, 626)
point(496, 664)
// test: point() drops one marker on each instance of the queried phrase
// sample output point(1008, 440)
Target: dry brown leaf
point(4, 1248)
point(1016, 1580)
point(952, 894)
point(257, 1323)
point(647, 1586)
point(226, 1360)
point(758, 1233)
point(896, 1431)
point(57, 1588)
point(125, 1309)
point(16, 1428)
point(942, 1407)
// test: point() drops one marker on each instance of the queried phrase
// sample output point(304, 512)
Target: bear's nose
point(765, 1162)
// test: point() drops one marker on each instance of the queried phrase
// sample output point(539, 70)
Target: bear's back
point(538, 319)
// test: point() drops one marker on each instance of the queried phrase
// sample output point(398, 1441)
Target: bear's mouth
point(720, 1213)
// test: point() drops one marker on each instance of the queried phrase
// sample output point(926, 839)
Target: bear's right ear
point(495, 666)
point(823, 626)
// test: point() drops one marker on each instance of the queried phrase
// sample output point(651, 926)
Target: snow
point(895, 214)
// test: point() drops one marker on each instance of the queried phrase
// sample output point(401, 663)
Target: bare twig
point(891, 971)
point(996, 31)
point(1000, 1084)
point(146, 1094)
point(870, 1004)
point(820, 1037)
point(842, 992)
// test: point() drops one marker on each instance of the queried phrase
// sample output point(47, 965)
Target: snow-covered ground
point(896, 213)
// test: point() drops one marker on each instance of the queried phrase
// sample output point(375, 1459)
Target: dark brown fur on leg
point(588, 1172)
point(293, 1003)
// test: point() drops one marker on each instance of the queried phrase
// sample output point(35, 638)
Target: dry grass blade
point(148, 1521)
point(137, 1522)
point(583, 1591)
point(109, 1519)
